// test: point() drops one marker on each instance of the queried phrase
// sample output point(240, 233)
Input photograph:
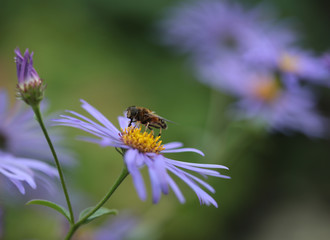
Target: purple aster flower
point(23, 147)
point(277, 101)
point(220, 30)
point(297, 63)
point(20, 134)
point(249, 55)
point(30, 86)
point(143, 149)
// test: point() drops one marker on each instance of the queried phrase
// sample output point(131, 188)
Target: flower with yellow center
point(267, 90)
point(141, 149)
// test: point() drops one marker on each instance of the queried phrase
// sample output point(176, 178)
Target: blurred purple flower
point(118, 228)
point(142, 149)
point(20, 133)
point(304, 65)
point(248, 54)
point(220, 29)
point(279, 103)
point(289, 61)
point(22, 146)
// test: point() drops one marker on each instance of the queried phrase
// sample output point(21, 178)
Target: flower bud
point(30, 87)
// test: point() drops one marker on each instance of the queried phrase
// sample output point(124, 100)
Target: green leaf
point(100, 212)
point(52, 205)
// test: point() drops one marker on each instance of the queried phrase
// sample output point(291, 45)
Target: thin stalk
point(37, 112)
point(216, 117)
point(120, 179)
point(215, 123)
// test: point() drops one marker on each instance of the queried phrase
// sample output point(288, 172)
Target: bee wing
point(151, 115)
point(169, 121)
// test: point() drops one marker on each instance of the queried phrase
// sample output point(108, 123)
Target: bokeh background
point(110, 54)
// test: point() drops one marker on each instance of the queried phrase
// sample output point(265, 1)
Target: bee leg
point(160, 132)
point(146, 127)
point(151, 130)
point(130, 123)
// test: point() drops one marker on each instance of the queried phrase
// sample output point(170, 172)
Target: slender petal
point(184, 150)
point(155, 183)
point(201, 194)
point(176, 189)
point(159, 164)
point(99, 116)
point(130, 161)
point(172, 145)
point(201, 165)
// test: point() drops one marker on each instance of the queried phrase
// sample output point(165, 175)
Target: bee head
point(163, 123)
point(132, 112)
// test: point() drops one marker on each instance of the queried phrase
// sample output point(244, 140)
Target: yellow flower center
point(144, 142)
point(267, 90)
point(289, 63)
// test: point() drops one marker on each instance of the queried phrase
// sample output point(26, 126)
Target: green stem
point(120, 179)
point(37, 112)
point(216, 119)
point(215, 123)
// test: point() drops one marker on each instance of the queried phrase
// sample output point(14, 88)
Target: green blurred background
point(109, 53)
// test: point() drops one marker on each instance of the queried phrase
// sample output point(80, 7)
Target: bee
point(146, 117)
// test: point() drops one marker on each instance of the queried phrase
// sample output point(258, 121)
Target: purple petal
point(175, 189)
point(103, 142)
point(183, 150)
point(19, 185)
point(192, 177)
point(201, 194)
point(130, 160)
point(97, 115)
point(191, 168)
point(7, 171)
point(199, 164)
point(160, 168)
point(155, 184)
point(94, 129)
point(40, 166)
point(123, 122)
point(115, 133)
point(172, 145)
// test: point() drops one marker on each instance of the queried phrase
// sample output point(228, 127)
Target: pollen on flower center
point(267, 90)
point(142, 141)
point(289, 63)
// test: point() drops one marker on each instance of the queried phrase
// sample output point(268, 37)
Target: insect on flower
point(140, 149)
point(146, 117)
